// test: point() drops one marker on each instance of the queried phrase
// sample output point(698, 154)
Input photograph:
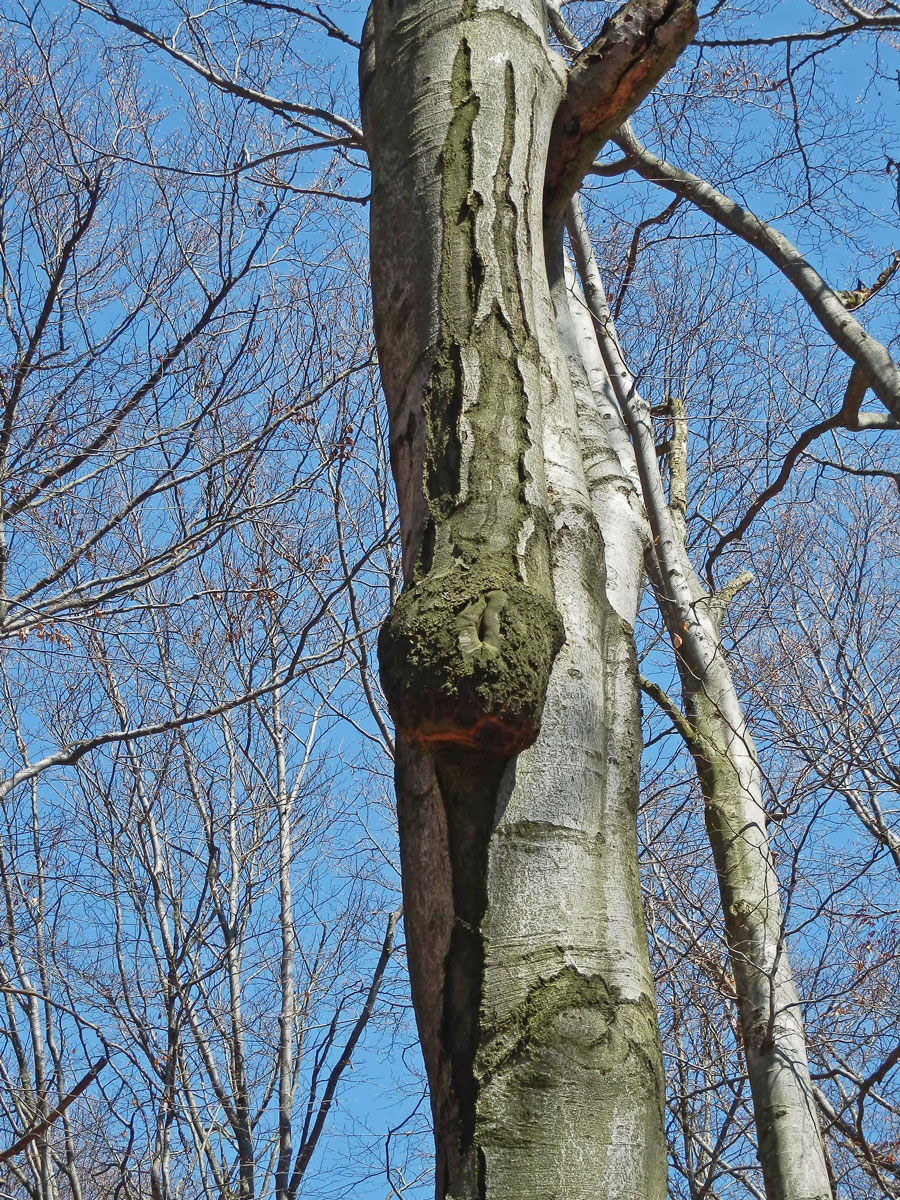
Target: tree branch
point(862, 294)
point(607, 81)
point(306, 1150)
point(318, 18)
point(69, 755)
point(862, 472)
point(55, 1113)
point(673, 712)
point(868, 354)
point(864, 21)
point(848, 418)
point(632, 256)
point(222, 82)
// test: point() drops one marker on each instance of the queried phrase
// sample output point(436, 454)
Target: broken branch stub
point(607, 81)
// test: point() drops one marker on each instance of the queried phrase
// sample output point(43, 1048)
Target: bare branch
point(274, 103)
point(69, 755)
point(317, 18)
point(870, 355)
point(862, 294)
point(606, 83)
point(848, 418)
point(864, 22)
point(673, 712)
point(305, 1152)
point(55, 1113)
point(631, 256)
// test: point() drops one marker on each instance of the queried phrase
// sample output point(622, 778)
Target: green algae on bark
point(466, 652)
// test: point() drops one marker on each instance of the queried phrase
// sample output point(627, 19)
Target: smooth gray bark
point(789, 1139)
point(527, 950)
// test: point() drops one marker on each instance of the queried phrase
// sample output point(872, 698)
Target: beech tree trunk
point(790, 1147)
point(518, 755)
point(508, 661)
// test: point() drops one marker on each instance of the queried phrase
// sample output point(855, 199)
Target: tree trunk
point(789, 1139)
point(518, 755)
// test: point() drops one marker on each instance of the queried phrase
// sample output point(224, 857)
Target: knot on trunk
point(465, 660)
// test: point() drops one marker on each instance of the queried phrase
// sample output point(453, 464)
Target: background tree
point(187, 513)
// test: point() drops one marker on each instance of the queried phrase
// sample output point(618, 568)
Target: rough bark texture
point(517, 764)
point(789, 1138)
point(467, 651)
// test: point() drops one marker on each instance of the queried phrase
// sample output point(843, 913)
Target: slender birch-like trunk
point(789, 1139)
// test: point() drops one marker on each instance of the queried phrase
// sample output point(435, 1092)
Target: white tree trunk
point(789, 1139)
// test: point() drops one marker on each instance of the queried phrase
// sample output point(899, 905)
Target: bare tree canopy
point(449, 498)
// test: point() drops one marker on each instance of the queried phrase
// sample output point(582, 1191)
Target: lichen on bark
point(519, 869)
point(566, 994)
point(467, 650)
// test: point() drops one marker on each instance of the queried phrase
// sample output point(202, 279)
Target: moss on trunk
point(466, 652)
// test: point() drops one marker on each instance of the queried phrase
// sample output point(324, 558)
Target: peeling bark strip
point(467, 650)
point(606, 83)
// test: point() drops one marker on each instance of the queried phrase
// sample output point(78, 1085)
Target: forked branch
point(289, 109)
point(54, 1114)
point(868, 354)
point(849, 418)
